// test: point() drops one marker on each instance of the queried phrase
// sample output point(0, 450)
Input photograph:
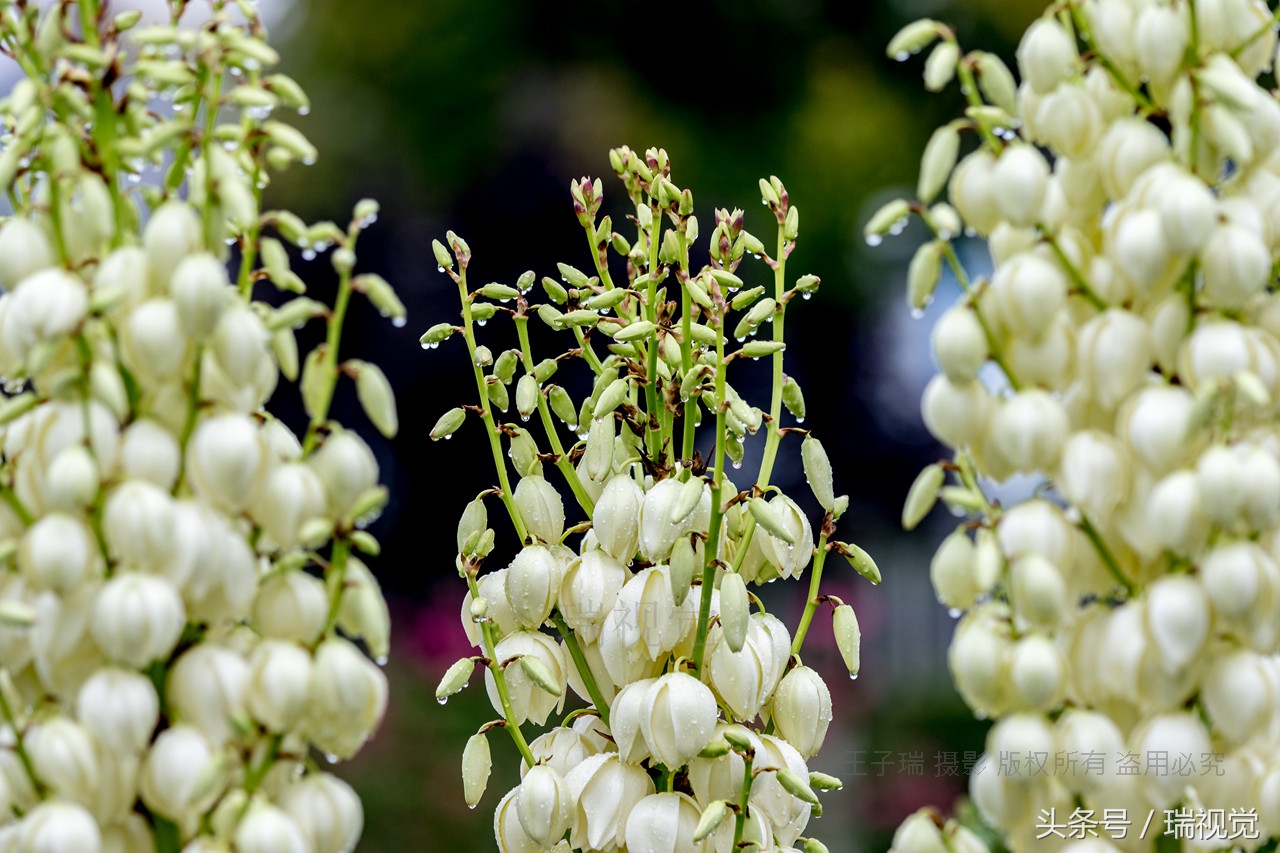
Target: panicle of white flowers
point(180, 603)
point(1125, 352)
point(699, 717)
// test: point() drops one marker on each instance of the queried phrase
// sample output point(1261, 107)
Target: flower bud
point(544, 806)
point(1129, 148)
point(913, 38)
point(206, 688)
point(1046, 57)
point(58, 552)
point(56, 826)
point(1175, 513)
point(1221, 476)
point(268, 829)
point(348, 698)
point(138, 619)
point(678, 719)
point(72, 479)
point(924, 272)
point(1094, 473)
point(1236, 695)
point(657, 534)
point(937, 162)
point(226, 461)
point(1187, 207)
point(844, 624)
point(377, 399)
point(120, 708)
point(276, 692)
point(802, 710)
point(1029, 291)
point(449, 423)
point(1176, 734)
point(541, 508)
point(240, 344)
point(169, 775)
point(1068, 120)
point(940, 67)
point(973, 191)
point(1160, 42)
point(735, 610)
point(327, 811)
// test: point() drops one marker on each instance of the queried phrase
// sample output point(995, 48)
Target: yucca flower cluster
point(700, 717)
point(180, 601)
point(1125, 351)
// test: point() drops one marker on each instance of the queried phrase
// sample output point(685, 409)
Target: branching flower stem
point(500, 679)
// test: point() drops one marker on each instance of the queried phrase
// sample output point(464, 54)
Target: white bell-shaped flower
point(66, 759)
point(278, 685)
point(72, 480)
point(1037, 672)
point(291, 495)
point(138, 618)
point(172, 233)
point(346, 466)
point(663, 823)
point(150, 452)
point(956, 413)
point(1046, 55)
point(1027, 291)
point(269, 829)
point(120, 708)
point(960, 344)
point(1173, 734)
point(1177, 620)
point(588, 592)
point(1031, 428)
point(678, 718)
point(56, 826)
point(541, 508)
point(1154, 424)
point(327, 810)
point(58, 552)
point(920, 833)
point(25, 250)
point(291, 605)
point(787, 814)
point(604, 790)
point(790, 559)
point(226, 461)
point(528, 700)
point(348, 698)
point(200, 290)
point(802, 710)
point(533, 583)
point(624, 720)
point(173, 780)
point(648, 614)
point(616, 520)
point(1233, 576)
point(240, 345)
point(152, 344)
point(1176, 513)
point(206, 688)
point(1236, 694)
point(138, 523)
point(544, 805)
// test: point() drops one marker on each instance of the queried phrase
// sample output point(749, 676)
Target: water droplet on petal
point(398, 322)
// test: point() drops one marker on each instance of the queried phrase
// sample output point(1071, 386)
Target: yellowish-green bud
point(443, 257)
point(500, 292)
point(691, 492)
point(938, 160)
point(844, 624)
point(791, 225)
point(526, 395)
point(376, 397)
point(498, 394)
point(562, 405)
point(745, 298)
point(554, 290)
point(17, 406)
point(315, 384)
point(714, 814)
point(715, 749)
point(380, 294)
point(448, 424)
point(922, 496)
point(735, 610)
point(638, 331)
point(539, 674)
point(579, 318)
point(475, 518)
point(913, 38)
point(294, 313)
point(738, 738)
point(813, 845)
point(817, 469)
point(607, 300)
point(683, 564)
point(610, 398)
point(455, 678)
point(573, 276)
point(545, 369)
point(924, 273)
point(823, 782)
point(764, 515)
point(366, 543)
point(598, 458)
point(291, 139)
point(524, 454)
point(293, 96)
point(940, 67)
point(504, 367)
point(996, 81)
point(888, 218)
point(476, 764)
point(437, 333)
point(796, 787)
point(860, 560)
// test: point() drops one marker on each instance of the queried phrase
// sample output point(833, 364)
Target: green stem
point(774, 435)
point(587, 352)
point(744, 800)
point(584, 669)
point(1074, 274)
point(491, 427)
point(811, 606)
point(24, 515)
point(1108, 559)
point(993, 343)
point(253, 779)
point(548, 424)
point(338, 569)
point(717, 513)
point(193, 409)
point(1082, 26)
point(969, 86)
point(18, 745)
point(652, 433)
point(333, 338)
point(500, 680)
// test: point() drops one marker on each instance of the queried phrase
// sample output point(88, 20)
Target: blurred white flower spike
point(699, 715)
point(1130, 197)
point(182, 602)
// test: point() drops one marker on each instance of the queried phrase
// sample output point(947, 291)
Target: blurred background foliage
point(475, 115)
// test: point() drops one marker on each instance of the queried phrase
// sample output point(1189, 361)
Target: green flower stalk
point(634, 595)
